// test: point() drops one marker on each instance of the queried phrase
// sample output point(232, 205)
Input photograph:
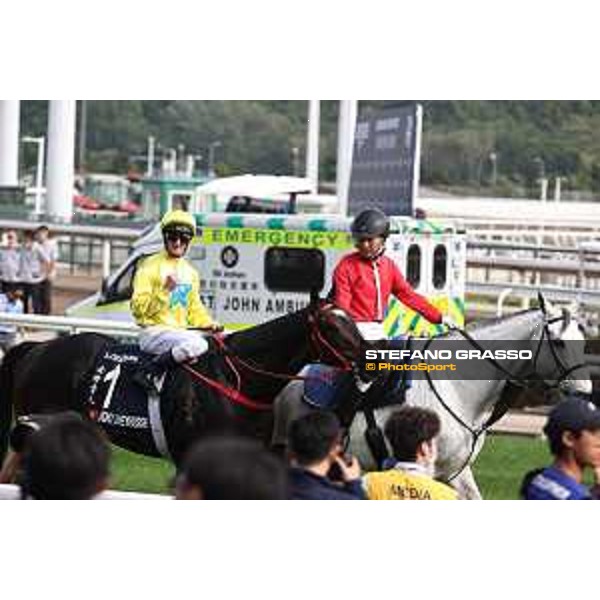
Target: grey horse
point(467, 403)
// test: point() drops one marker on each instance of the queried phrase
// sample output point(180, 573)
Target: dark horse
point(55, 376)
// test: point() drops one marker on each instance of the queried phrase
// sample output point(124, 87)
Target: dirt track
point(69, 288)
point(521, 423)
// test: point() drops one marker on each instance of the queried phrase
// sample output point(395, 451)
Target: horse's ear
point(567, 315)
point(542, 302)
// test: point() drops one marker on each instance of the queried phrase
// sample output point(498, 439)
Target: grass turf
point(498, 469)
point(135, 473)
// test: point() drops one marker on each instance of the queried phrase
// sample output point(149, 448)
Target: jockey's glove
point(449, 322)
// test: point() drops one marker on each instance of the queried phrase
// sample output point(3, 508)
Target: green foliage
point(259, 136)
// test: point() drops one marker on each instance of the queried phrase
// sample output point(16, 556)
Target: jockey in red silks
point(364, 280)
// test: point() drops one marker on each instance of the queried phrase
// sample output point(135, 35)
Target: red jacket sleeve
point(342, 290)
point(404, 292)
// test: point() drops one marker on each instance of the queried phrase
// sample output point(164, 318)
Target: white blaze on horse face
point(569, 330)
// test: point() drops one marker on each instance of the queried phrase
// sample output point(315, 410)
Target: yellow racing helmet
point(178, 220)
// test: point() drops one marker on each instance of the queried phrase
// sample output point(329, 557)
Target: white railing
point(552, 292)
point(12, 492)
point(97, 231)
point(71, 324)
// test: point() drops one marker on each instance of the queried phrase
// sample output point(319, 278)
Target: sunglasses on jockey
point(183, 235)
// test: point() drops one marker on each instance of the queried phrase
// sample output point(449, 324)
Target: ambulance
point(256, 267)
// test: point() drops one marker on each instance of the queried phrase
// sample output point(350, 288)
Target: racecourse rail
point(12, 492)
point(71, 324)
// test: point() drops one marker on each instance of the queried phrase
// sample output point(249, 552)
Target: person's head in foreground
point(231, 468)
point(66, 459)
point(573, 432)
point(320, 469)
point(411, 432)
point(314, 439)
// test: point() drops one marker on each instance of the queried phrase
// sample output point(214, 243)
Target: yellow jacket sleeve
point(149, 297)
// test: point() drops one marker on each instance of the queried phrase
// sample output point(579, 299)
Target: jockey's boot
point(164, 361)
point(147, 374)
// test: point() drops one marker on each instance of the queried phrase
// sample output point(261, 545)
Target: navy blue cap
point(573, 414)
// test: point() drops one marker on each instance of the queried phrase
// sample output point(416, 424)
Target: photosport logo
point(473, 359)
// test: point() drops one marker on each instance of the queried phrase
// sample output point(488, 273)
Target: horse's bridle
point(501, 408)
point(564, 371)
point(316, 341)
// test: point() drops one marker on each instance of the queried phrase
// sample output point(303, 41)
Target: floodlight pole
point(346, 127)
point(9, 142)
point(39, 171)
point(312, 143)
point(61, 159)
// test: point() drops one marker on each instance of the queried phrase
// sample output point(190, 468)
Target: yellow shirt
point(400, 484)
point(153, 304)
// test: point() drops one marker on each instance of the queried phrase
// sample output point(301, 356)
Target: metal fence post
point(106, 256)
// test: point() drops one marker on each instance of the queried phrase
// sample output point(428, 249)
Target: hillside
point(484, 147)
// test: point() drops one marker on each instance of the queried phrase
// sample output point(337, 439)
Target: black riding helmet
point(370, 223)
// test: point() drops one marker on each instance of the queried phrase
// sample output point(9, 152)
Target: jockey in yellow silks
point(166, 297)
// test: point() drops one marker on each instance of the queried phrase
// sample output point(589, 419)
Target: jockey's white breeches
point(371, 330)
point(185, 345)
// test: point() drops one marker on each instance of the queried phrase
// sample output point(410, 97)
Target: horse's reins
point(234, 395)
point(500, 409)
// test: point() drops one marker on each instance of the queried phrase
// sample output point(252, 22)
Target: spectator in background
point(67, 459)
point(34, 267)
point(10, 258)
point(319, 470)
point(573, 432)
point(411, 432)
point(50, 248)
point(10, 302)
point(231, 468)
